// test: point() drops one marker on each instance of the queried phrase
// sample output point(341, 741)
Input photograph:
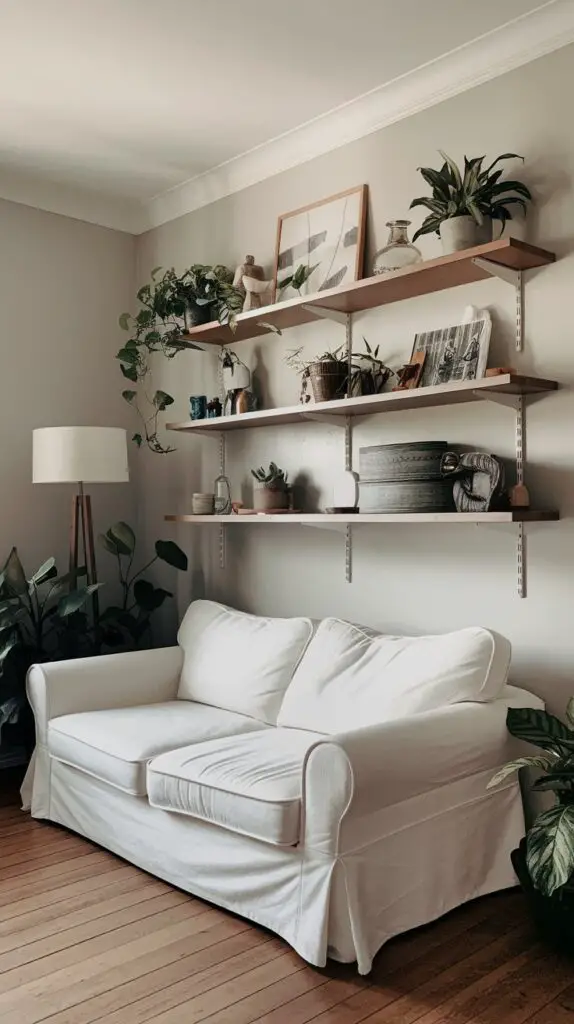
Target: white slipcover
point(351, 678)
point(396, 826)
point(115, 745)
point(239, 662)
point(251, 784)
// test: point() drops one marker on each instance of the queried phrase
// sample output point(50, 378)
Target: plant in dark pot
point(544, 861)
point(369, 374)
point(272, 492)
point(169, 306)
point(463, 204)
point(41, 619)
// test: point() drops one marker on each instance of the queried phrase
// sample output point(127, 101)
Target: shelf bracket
point(516, 280)
point(322, 313)
point(222, 533)
point(324, 417)
point(499, 398)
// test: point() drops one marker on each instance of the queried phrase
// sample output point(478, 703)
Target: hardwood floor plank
point(139, 993)
point(107, 921)
point(23, 902)
point(559, 1011)
point(295, 1000)
point(50, 966)
point(38, 1005)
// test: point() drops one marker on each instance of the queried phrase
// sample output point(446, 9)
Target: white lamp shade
point(80, 455)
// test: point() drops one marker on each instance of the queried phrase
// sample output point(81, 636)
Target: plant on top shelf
point(272, 491)
point(544, 861)
point(170, 305)
point(476, 194)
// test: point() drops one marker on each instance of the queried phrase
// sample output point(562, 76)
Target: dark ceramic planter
point(195, 316)
point(552, 915)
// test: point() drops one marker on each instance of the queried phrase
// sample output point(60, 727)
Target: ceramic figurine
point(258, 293)
point(479, 480)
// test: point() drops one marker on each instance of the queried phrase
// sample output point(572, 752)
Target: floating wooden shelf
point(324, 519)
point(431, 276)
point(367, 405)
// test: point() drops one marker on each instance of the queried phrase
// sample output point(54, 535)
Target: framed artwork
point(321, 246)
point(454, 353)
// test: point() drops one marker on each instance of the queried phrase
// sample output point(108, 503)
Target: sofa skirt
point(407, 866)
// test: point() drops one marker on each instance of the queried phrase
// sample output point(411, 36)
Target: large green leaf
point(169, 552)
point(570, 712)
point(161, 400)
point(148, 597)
point(540, 728)
point(129, 372)
point(14, 575)
point(8, 645)
point(546, 763)
point(129, 396)
point(128, 355)
point(114, 544)
point(124, 537)
point(75, 600)
point(47, 571)
point(556, 781)
point(550, 848)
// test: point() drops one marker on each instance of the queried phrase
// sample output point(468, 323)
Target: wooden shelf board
point(322, 518)
point(367, 405)
point(430, 276)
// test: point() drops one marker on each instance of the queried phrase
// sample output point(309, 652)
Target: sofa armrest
point(110, 681)
point(361, 772)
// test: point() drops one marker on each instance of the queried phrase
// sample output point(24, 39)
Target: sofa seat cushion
point(351, 678)
point(115, 745)
point(250, 784)
point(239, 662)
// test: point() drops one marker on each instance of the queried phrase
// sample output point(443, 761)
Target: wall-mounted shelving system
point(506, 259)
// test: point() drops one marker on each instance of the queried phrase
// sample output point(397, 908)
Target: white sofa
point(323, 780)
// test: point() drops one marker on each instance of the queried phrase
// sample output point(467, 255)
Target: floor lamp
point(80, 455)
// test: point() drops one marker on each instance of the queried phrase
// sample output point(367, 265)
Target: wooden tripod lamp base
point(72, 454)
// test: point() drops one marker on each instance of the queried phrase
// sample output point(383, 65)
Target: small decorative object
point(198, 407)
point(463, 205)
point(249, 268)
point(258, 294)
point(409, 375)
point(272, 492)
point(345, 491)
point(518, 496)
point(243, 401)
point(327, 239)
point(203, 504)
point(222, 489)
point(544, 861)
point(479, 480)
point(214, 408)
point(404, 478)
point(498, 371)
point(455, 353)
point(398, 253)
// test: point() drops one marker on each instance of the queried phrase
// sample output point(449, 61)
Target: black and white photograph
point(321, 246)
point(454, 353)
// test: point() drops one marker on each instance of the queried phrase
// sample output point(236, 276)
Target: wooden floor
point(86, 937)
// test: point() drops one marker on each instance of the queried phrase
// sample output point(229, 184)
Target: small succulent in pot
point(475, 194)
point(272, 490)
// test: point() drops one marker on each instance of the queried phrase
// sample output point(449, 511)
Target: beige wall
point(62, 285)
point(405, 578)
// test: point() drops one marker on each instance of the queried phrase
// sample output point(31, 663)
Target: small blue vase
point(198, 407)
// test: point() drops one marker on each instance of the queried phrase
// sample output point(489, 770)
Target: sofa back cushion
point(350, 678)
point(239, 662)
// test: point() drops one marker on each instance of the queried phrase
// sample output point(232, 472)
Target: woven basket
point(328, 379)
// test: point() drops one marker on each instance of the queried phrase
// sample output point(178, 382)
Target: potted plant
point(170, 305)
point(369, 374)
point(328, 373)
point(544, 861)
point(272, 491)
point(464, 204)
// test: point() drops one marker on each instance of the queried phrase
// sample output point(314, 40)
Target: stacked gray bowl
point(404, 478)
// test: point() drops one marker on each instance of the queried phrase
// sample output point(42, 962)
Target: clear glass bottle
point(222, 489)
point(398, 252)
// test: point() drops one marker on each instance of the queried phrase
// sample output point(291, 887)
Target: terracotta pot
point(265, 498)
point(459, 233)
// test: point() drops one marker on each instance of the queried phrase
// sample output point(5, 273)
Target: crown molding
point(547, 28)
point(79, 204)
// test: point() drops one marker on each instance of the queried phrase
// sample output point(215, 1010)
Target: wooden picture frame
point(325, 228)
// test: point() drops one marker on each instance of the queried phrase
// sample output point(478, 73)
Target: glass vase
point(398, 252)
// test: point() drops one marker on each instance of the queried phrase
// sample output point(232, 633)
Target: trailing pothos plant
point(41, 619)
point(550, 841)
point(128, 623)
point(170, 304)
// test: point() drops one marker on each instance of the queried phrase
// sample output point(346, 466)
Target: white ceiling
point(123, 100)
